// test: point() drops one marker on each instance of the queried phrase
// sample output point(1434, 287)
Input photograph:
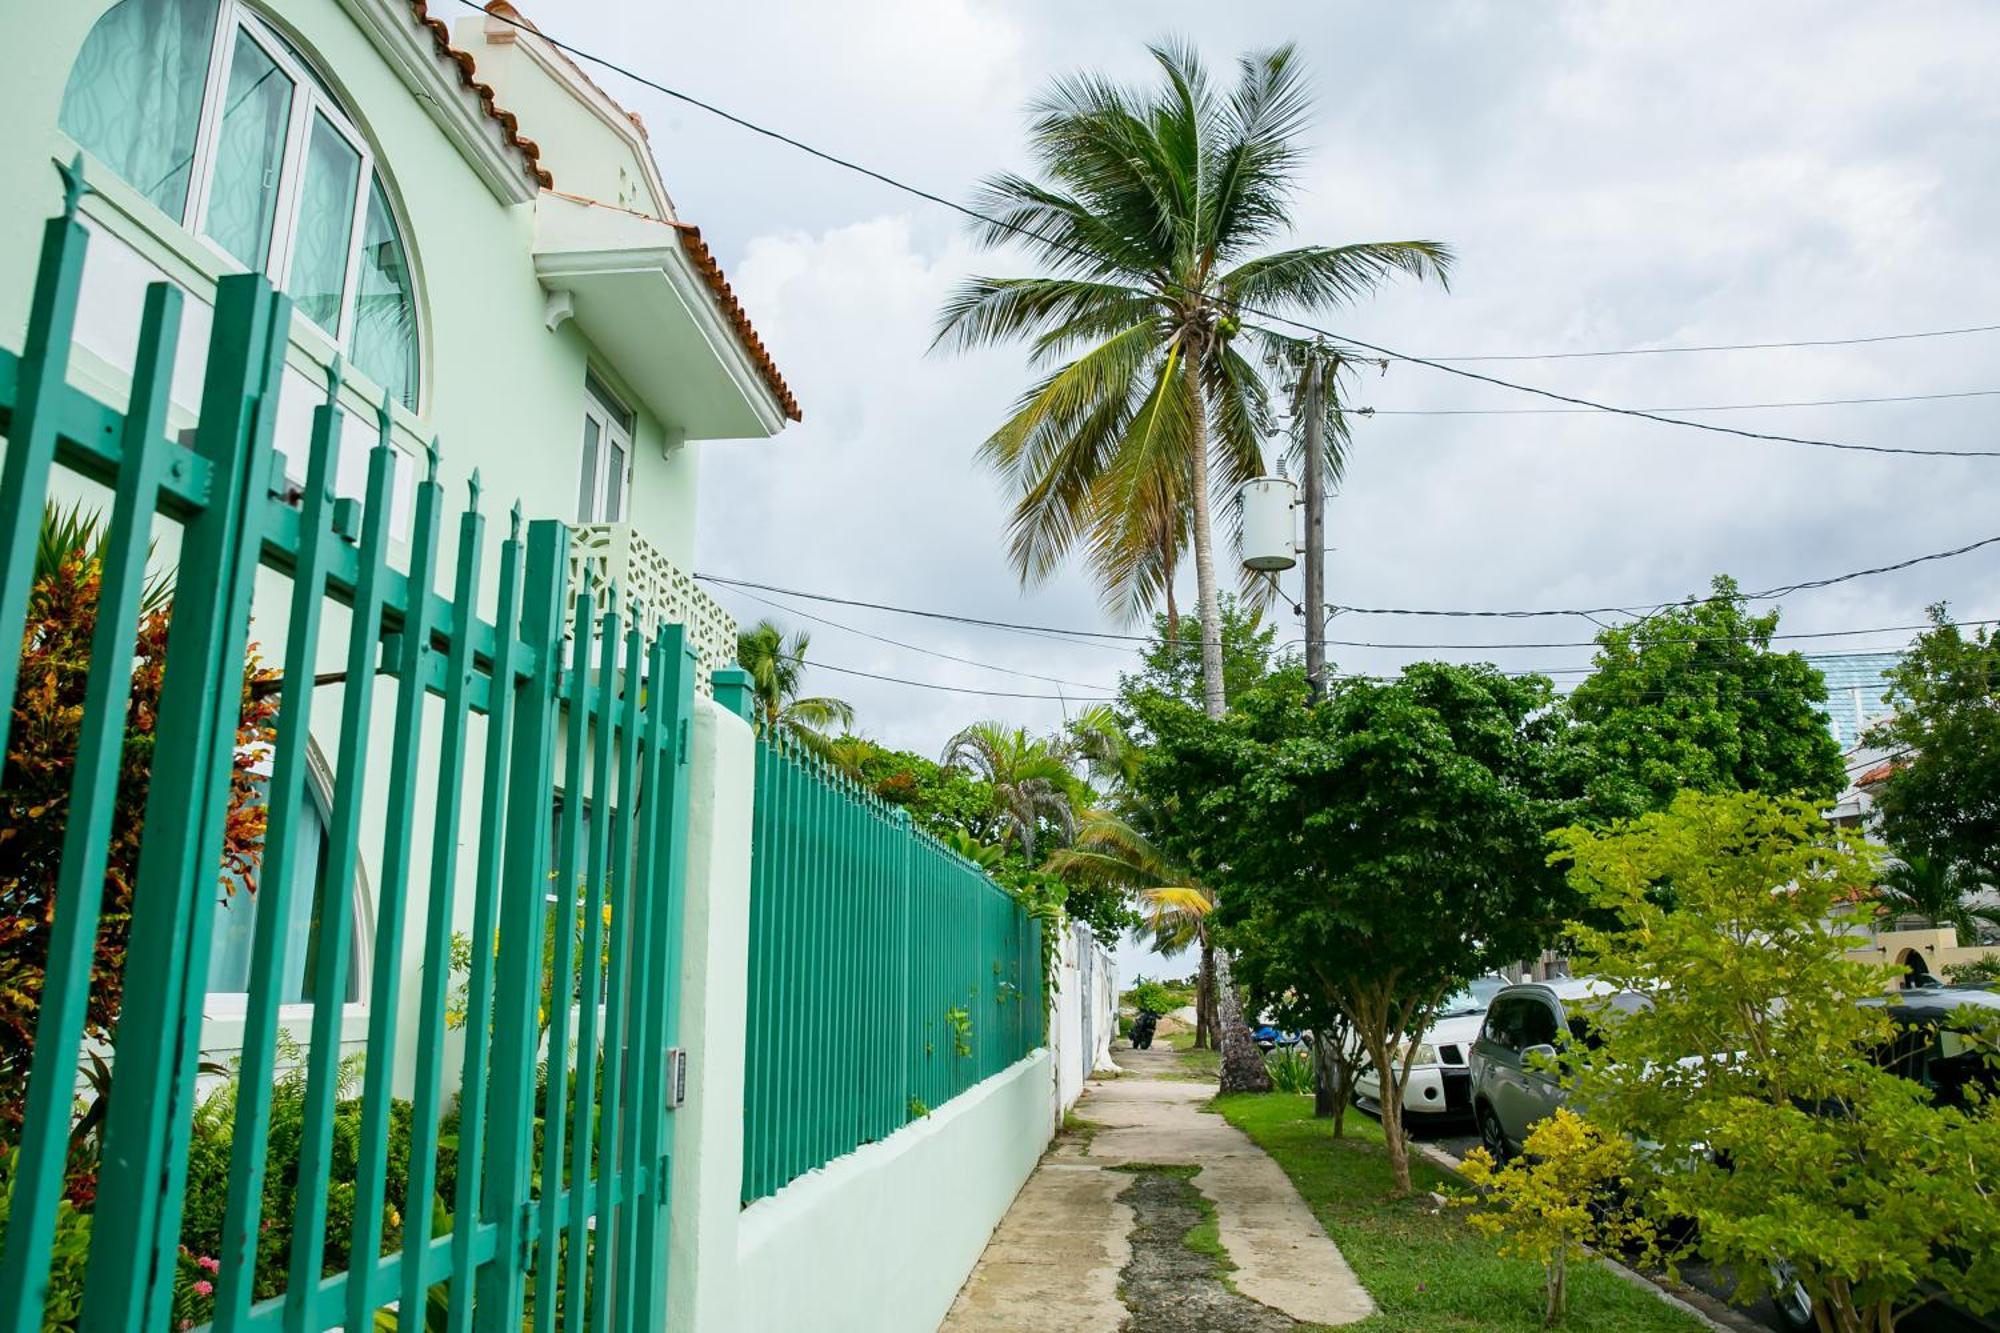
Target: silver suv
point(1526, 1026)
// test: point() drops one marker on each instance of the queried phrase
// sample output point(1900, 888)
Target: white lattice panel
point(652, 589)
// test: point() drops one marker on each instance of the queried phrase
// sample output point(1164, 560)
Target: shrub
point(1290, 1070)
point(1979, 972)
point(208, 1172)
point(1150, 997)
point(34, 788)
point(1565, 1194)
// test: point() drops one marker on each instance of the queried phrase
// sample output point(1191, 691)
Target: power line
point(947, 689)
point(1693, 638)
point(1771, 594)
point(1712, 407)
point(1015, 228)
point(919, 648)
point(1727, 347)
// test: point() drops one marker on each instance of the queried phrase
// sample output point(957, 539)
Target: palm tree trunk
point(1242, 1063)
point(1209, 608)
point(1204, 999)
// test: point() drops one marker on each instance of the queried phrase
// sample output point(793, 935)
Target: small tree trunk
point(1558, 1289)
point(1392, 1111)
point(1323, 1076)
point(1242, 1063)
point(1204, 1000)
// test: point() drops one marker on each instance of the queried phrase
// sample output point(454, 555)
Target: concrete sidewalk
point(1091, 1223)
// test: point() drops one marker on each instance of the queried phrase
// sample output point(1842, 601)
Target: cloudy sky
point(1611, 177)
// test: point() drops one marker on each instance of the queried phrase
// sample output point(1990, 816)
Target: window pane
point(385, 307)
point(614, 482)
point(326, 224)
point(134, 95)
point(250, 154)
point(237, 909)
point(586, 495)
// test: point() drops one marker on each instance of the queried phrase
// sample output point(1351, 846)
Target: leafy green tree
point(777, 667)
point(1148, 216)
point(1942, 799)
point(1373, 851)
point(1692, 697)
point(946, 801)
point(1170, 663)
point(1752, 1076)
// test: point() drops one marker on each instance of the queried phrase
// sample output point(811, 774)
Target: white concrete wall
point(879, 1241)
point(1084, 1018)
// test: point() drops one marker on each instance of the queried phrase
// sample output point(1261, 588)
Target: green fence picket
point(470, 1210)
point(584, 1194)
point(421, 1173)
point(194, 736)
point(79, 890)
point(287, 796)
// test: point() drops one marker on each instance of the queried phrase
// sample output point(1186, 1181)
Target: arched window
point(225, 126)
point(238, 907)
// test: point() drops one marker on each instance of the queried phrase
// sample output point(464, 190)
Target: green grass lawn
point(1426, 1268)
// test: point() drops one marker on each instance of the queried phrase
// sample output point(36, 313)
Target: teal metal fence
point(887, 973)
point(562, 1144)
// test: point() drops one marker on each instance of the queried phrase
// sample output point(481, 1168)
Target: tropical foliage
point(1029, 777)
point(1150, 217)
point(1935, 891)
point(1374, 850)
point(1753, 1078)
point(776, 663)
point(1942, 799)
point(41, 761)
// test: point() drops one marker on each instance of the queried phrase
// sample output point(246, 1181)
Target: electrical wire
point(1241, 308)
point(1712, 407)
point(919, 648)
point(1727, 347)
point(1770, 594)
point(946, 689)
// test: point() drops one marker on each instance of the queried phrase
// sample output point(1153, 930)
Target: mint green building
point(466, 223)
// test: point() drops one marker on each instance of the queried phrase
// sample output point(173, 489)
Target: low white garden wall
point(879, 1241)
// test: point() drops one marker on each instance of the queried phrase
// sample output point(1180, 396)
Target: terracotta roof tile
point(1879, 773)
point(440, 34)
point(711, 272)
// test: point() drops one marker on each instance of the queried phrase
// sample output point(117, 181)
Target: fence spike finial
point(75, 187)
point(336, 371)
point(472, 486)
point(514, 532)
point(431, 459)
point(383, 419)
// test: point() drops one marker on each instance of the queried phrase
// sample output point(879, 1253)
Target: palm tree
point(777, 668)
point(1030, 778)
point(1112, 852)
point(1936, 891)
point(1153, 206)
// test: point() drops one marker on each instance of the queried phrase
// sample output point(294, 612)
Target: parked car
point(1438, 1086)
point(1527, 1026)
point(1930, 1049)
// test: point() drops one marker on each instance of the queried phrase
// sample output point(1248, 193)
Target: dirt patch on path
point(1170, 1287)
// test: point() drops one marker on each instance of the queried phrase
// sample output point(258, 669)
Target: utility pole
point(1315, 552)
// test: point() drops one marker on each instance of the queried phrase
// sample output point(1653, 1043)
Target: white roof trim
point(434, 80)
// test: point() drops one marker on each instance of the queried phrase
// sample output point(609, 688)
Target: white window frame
point(611, 417)
point(308, 99)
